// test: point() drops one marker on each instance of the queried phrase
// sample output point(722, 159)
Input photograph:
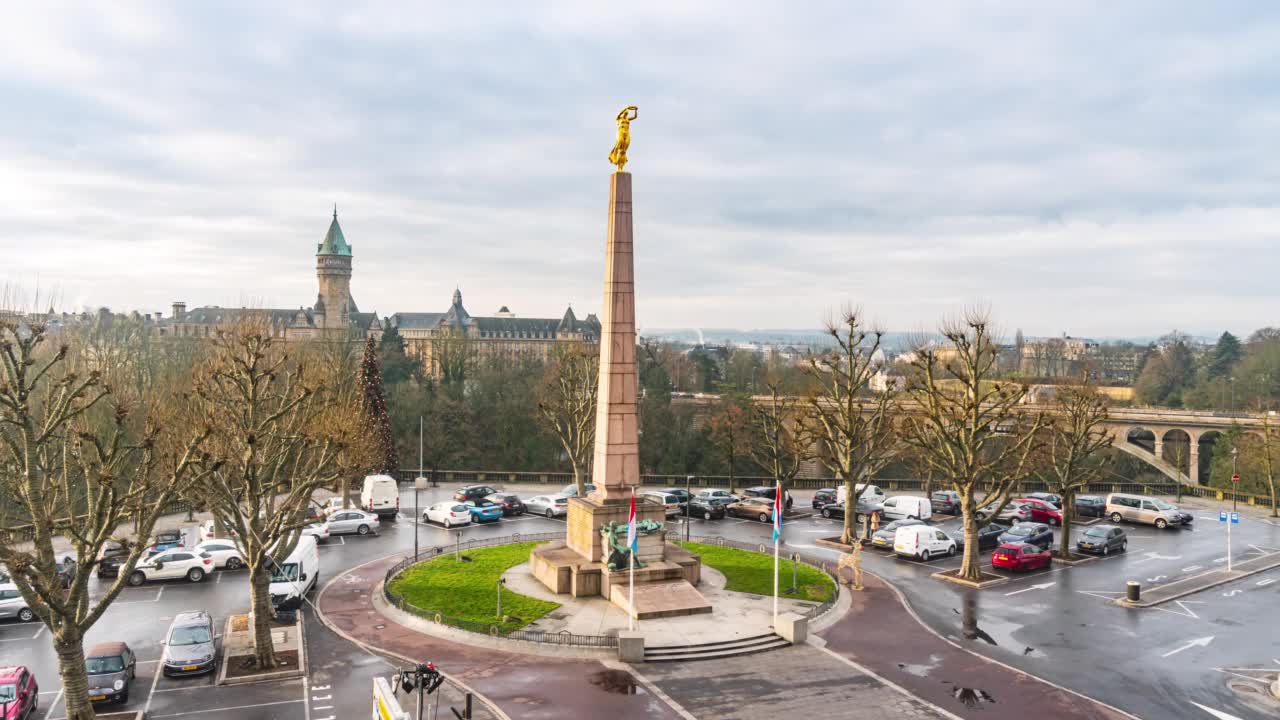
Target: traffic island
point(1168, 592)
point(836, 542)
point(127, 715)
point(988, 579)
point(238, 663)
point(1072, 558)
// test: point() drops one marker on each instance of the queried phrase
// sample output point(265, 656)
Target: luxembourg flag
point(631, 527)
point(778, 504)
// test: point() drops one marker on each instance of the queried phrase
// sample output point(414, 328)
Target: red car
point(1042, 511)
point(1021, 556)
point(19, 693)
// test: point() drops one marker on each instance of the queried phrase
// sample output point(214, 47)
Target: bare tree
point(780, 439)
point(853, 423)
point(567, 402)
point(77, 461)
point(283, 434)
point(1268, 448)
point(971, 429)
point(730, 433)
point(1075, 444)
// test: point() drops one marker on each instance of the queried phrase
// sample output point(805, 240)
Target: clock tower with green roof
point(334, 305)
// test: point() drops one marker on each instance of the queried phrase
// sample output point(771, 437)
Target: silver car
point(12, 605)
point(548, 505)
point(188, 646)
point(345, 522)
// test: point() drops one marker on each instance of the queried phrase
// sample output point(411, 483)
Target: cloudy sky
point(1092, 168)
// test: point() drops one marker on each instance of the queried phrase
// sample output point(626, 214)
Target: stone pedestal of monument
point(578, 566)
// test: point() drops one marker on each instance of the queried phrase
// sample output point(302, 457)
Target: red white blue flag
point(632, 542)
point(778, 505)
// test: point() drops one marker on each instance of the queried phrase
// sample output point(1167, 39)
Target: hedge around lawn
point(752, 572)
point(466, 593)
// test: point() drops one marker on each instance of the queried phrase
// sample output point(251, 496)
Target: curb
point(1198, 588)
point(946, 577)
point(301, 670)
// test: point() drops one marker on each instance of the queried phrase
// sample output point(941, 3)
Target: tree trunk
point(850, 512)
point(260, 598)
point(344, 489)
point(75, 681)
point(1068, 507)
point(1272, 483)
point(577, 479)
point(972, 567)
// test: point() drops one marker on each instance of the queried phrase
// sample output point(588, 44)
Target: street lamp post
point(418, 483)
point(1233, 394)
point(1235, 453)
point(501, 582)
point(688, 481)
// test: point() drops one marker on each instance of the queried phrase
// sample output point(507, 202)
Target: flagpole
point(631, 562)
point(777, 535)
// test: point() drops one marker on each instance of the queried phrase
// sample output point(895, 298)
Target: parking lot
point(1058, 623)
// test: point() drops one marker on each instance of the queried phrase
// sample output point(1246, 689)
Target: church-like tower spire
point(334, 304)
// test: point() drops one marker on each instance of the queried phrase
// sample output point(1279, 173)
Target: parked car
point(473, 492)
point(448, 513)
point(1042, 510)
point(1053, 499)
point(946, 502)
point(297, 575)
point(756, 508)
point(571, 490)
point(483, 510)
point(110, 558)
point(922, 542)
point(1018, 556)
point(225, 554)
point(354, 521)
point(19, 693)
point(65, 566)
point(720, 494)
point(549, 505)
point(1029, 532)
point(171, 565)
point(331, 506)
point(317, 530)
point(188, 646)
point(1187, 518)
point(111, 667)
point(824, 496)
point(164, 540)
point(901, 507)
point(708, 508)
point(871, 494)
point(988, 536)
point(1012, 512)
point(883, 538)
point(1139, 509)
point(511, 504)
point(681, 494)
point(380, 495)
point(670, 503)
point(1102, 539)
point(833, 510)
point(1090, 506)
point(12, 605)
point(768, 491)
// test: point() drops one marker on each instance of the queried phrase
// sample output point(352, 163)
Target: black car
point(988, 536)
point(825, 496)
point(511, 504)
point(946, 502)
point(708, 508)
point(472, 492)
point(1052, 498)
point(883, 538)
point(1028, 532)
point(1102, 539)
point(111, 558)
point(680, 493)
point(833, 510)
point(164, 540)
point(768, 491)
point(1090, 506)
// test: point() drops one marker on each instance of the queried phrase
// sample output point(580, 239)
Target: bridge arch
point(1148, 446)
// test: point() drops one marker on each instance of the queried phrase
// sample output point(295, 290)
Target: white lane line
point(306, 706)
point(224, 709)
point(1216, 713)
point(155, 680)
point(217, 580)
point(38, 631)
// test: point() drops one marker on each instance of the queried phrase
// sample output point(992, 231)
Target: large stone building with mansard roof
point(336, 316)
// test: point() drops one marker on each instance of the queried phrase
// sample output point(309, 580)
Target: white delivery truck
point(297, 575)
point(380, 495)
point(867, 494)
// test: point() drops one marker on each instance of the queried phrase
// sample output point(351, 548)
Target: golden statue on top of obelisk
point(618, 156)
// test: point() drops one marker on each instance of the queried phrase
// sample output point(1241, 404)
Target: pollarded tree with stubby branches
point(730, 433)
point(374, 404)
point(1074, 448)
point(971, 428)
point(853, 422)
point(283, 432)
point(567, 403)
point(78, 460)
point(780, 438)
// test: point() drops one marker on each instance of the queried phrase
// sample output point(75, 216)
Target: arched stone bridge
point(1166, 439)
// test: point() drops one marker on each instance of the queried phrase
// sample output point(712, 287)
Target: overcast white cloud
point(1092, 168)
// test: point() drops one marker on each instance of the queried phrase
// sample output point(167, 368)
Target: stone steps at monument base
point(715, 650)
point(660, 598)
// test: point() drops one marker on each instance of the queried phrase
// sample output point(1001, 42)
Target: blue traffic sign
point(1222, 516)
point(1235, 518)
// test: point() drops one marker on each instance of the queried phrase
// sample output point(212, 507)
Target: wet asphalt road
point(1065, 632)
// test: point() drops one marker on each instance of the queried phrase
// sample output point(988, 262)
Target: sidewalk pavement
point(882, 635)
point(523, 686)
point(1161, 594)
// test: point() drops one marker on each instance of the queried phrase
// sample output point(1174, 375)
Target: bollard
point(1132, 591)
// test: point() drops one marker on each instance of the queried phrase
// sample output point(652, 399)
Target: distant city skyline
point(1079, 167)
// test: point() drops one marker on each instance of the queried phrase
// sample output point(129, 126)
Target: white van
point(298, 574)
point(902, 507)
point(866, 494)
point(380, 495)
point(922, 542)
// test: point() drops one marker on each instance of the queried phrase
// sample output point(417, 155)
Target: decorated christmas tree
point(374, 403)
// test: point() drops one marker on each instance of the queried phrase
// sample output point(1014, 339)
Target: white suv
point(171, 564)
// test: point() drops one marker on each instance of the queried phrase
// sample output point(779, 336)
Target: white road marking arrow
point(1201, 642)
point(1040, 586)
point(1216, 713)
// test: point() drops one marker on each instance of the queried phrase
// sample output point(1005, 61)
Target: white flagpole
point(778, 504)
point(631, 581)
point(775, 581)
